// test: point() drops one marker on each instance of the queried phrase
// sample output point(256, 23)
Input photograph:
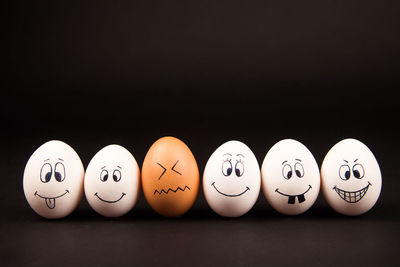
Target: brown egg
point(170, 177)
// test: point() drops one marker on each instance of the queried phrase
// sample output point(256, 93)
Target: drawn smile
point(292, 198)
point(228, 195)
point(51, 201)
point(109, 201)
point(171, 190)
point(352, 196)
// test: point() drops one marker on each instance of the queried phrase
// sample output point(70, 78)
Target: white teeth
point(352, 197)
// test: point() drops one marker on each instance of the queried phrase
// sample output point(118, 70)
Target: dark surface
point(130, 72)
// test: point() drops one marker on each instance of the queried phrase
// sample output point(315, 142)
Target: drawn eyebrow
point(174, 167)
point(119, 167)
point(298, 159)
point(61, 159)
point(240, 155)
point(346, 161)
point(227, 154)
point(284, 162)
point(163, 170)
point(46, 159)
point(355, 160)
point(103, 167)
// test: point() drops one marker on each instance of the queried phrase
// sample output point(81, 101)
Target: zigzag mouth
point(352, 196)
point(171, 190)
point(228, 195)
point(51, 201)
point(109, 201)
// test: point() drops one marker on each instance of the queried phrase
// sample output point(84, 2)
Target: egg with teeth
point(112, 181)
point(290, 177)
point(53, 180)
point(231, 180)
point(351, 178)
point(170, 177)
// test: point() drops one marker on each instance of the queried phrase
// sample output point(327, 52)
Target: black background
point(94, 73)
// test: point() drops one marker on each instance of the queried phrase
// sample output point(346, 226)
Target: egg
point(290, 177)
point(112, 181)
point(170, 177)
point(351, 178)
point(53, 180)
point(231, 180)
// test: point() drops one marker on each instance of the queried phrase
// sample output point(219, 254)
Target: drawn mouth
point(109, 201)
point(51, 201)
point(352, 196)
point(292, 198)
point(228, 195)
point(171, 190)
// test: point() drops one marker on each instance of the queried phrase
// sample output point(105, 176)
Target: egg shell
point(112, 181)
point(290, 177)
point(170, 177)
point(53, 180)
point(231, 179)
point(351, 178)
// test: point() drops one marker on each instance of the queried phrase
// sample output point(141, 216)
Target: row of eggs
point(55, 180)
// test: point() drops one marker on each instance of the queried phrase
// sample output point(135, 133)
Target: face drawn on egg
point(231, 180)
point(112, 181)
point(53, 180)
point(170, 177)
point(290, 177)
point(351, 177)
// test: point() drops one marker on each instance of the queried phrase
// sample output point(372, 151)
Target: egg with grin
point(170, 177)
point(351, 177)
point(112, 181)
point(53, 180)
point(231, 180)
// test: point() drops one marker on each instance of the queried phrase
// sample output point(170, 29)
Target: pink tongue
point(51, 203)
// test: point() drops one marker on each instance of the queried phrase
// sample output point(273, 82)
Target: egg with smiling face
point(290, 177)
point(231, 180)
point(351, 178)
point(112, 181)
point(53, 180)
point(170, 177)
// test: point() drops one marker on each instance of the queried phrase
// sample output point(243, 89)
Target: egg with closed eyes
point(53, 180)
point(112, 181)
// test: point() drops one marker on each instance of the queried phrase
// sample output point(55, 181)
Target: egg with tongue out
point(53, 180)
point(351, 178)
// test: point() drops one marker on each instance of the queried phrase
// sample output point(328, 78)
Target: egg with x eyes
point(351, 177)
point(231, 180)
point(170, 177)
point(112, 181)
point(53, 180)
point(290, 177)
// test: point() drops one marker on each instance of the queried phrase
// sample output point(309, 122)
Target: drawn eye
point(227, 167)
point(59, 172)
point(45, 172)
point(173, 168)
point(358, 171)
point(299, 169)
point(164, 169)
point(104, 175)
point(287, 171)
point(344, 172)
point(117, 175)
point(239, 168)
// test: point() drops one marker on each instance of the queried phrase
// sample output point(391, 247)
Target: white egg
point(112, 181)
point(351, 177)
point(290, 177)
point(53, 180)
point(231, 180)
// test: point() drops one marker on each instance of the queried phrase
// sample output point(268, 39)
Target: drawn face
point(290, 176)
point(112, 181)
point(53, 180)
point(231, 180)
point(170, 177)
point(351, 178)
